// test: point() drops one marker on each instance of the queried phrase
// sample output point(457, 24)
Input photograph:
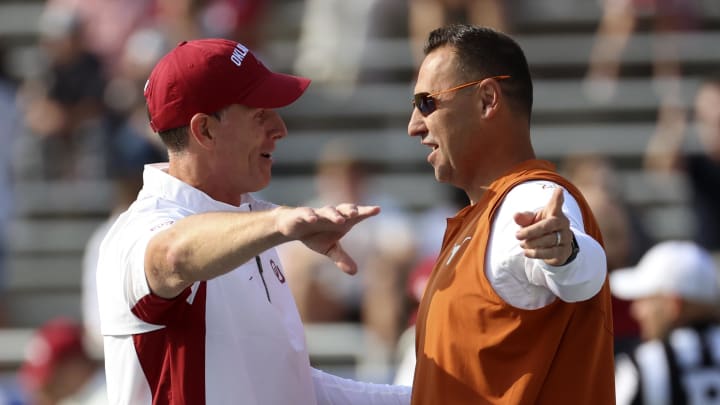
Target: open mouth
point(430, 145)
point(266, 155)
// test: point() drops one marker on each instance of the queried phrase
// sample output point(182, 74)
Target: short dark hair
point(176, 139)
point(484, 52)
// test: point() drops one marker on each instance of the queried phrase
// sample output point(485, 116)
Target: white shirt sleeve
point(334, 390)
point(121, 280)
point(531, 283)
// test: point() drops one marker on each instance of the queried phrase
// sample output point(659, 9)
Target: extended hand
point(546, 234)
point(321, 229)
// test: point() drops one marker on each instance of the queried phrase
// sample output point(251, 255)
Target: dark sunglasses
point(425, 102)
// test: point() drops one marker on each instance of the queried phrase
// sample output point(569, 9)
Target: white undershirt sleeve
point(579, 280)
point(531, 283)
point(334, 390)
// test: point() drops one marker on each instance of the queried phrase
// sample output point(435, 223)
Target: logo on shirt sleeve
point(161, 225)
point(276, 270)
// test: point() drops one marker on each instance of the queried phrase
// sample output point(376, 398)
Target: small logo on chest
point(276, 270)
point(456, 248)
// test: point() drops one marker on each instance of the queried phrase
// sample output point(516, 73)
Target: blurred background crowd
point(627, 104)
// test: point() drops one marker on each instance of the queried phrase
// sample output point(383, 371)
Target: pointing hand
point(546, 234)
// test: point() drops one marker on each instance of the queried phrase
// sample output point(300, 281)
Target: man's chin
point(440, 177)
point(259, 186)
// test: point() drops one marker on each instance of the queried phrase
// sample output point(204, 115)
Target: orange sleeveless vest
point(473, 348)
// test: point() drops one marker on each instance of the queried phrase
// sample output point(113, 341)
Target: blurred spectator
point(405, 349)
point(385, 57)
point(625, 238)
point(107, 24)
point(64, 102)
point(666, 153)
point(431, 225)
point(346, 43)
point(178, 20)
point(124, 93)
point(618, 22)
point(382, 246)
point(130, 152)
point(595, 175)
point(126, 103)
point(182, 20)
point(62, 105)
point(333, 35)
point(675, 296)
point(426, 15)
point(240, 20)
point(57, 369)
point(131, 145)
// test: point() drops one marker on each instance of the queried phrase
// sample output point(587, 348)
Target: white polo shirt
point(235, 339)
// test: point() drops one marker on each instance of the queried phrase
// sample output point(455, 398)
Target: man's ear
point(200, 131)
point(490, 96)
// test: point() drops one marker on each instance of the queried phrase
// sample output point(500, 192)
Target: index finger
point(366, 211)
point(555, 204)
point(363, 212)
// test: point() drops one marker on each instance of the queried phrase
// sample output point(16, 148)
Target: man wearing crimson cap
point(194, 305)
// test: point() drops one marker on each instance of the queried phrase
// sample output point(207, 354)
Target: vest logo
point(456, 248)
point(238, 54)
point(276, 270)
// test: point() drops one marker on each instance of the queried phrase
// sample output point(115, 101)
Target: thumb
point(524, 218)
point(342, 259)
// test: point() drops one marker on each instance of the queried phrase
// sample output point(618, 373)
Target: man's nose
point(416, 126)
point(276, 125)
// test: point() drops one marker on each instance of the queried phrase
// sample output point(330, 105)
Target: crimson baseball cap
point(56, 340)
point(207, 75)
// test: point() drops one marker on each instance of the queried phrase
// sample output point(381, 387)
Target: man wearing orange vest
point(517, 309)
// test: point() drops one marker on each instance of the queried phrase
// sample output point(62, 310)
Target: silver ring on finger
point(558, 238)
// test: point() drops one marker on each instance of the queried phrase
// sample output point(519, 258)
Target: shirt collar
point(157, 182)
